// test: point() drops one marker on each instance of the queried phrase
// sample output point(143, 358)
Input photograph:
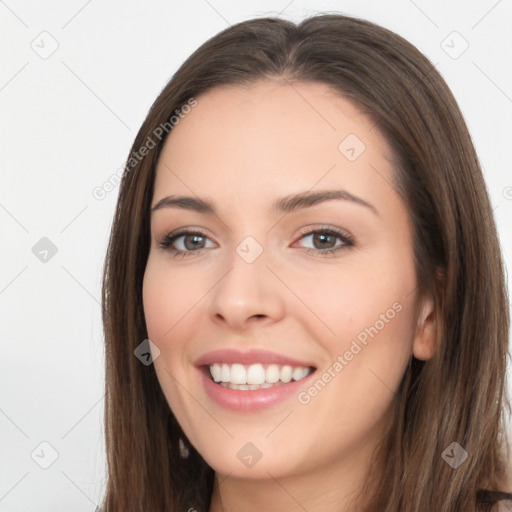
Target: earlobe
point(426, 329)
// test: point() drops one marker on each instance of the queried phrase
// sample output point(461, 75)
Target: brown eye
point(325, 241)
point(184, 243)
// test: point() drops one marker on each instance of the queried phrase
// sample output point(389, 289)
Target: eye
point(192, 242)
point(325, 238)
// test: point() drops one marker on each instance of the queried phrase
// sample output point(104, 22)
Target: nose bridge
point(247, 288)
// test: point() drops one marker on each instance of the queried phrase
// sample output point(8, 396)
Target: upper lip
point(248, 357)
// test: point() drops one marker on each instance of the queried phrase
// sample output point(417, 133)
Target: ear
point(425, 338)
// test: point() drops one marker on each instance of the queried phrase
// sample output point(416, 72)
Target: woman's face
point(271, 287)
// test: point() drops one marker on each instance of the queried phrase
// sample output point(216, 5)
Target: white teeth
point(286, 373)
point(273, 374)
point(216, 372)
point(225, 376)
point(299, 373)
point(238, 374)
point(255, 376)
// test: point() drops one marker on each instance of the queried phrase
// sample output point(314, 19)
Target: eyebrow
point(285, 204)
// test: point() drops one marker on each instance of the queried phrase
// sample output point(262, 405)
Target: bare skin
point(242, 148)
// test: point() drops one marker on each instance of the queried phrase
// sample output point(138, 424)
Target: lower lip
point(251, 400)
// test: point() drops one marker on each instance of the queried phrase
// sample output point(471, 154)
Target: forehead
point(273, 137)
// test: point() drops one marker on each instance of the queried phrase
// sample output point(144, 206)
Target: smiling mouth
point(255, 376)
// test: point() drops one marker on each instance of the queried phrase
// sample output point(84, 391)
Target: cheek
point(374, 335)
point(169, 313)
point(350, 298)
point(170, 300)
point(366, 363)
point(364, 319)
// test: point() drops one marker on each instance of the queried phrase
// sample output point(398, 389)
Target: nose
point(247, 294)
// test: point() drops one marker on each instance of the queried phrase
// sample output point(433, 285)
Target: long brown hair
point(460, 395)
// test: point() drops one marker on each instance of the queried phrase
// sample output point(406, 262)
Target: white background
point(67, 124)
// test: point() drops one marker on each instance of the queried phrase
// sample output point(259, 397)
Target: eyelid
point(342, 233)
point(167, 239)
point(346, 237)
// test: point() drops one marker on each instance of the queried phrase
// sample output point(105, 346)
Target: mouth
point(256, 376)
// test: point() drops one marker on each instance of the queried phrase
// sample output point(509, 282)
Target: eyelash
point(347, 240)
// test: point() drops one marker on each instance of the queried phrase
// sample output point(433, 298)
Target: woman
point(248, 371)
